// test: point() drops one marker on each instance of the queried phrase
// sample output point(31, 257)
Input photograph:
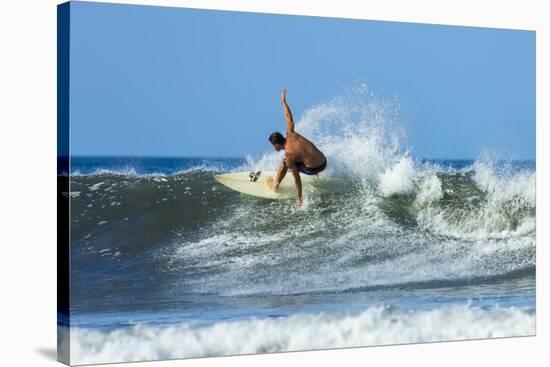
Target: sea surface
point(168, 263)
point(175, 265)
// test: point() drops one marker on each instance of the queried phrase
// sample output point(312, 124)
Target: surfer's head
point(277, 140)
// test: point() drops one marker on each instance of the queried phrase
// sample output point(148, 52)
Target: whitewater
point(166, 263)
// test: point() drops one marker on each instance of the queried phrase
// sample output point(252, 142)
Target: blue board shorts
point(308, 170)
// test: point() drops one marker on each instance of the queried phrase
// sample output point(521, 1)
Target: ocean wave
point(485, 203)
point(374, 326)
point(381, 217)
point(133, 172)
point(477, 204)
point(366, 149)
point(385, 219)
point(295, 262)
point(367, 156)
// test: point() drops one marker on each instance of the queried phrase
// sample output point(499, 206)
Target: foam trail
point(374, 326)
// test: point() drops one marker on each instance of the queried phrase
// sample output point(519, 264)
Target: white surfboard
point(255, 183)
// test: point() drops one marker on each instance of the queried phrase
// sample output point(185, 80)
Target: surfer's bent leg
point(281, 172)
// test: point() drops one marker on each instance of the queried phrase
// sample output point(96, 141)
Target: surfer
point(301, 155)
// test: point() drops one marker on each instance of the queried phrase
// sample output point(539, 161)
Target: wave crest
point(374, 326)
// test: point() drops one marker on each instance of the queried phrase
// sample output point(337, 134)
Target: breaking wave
point(374, 326)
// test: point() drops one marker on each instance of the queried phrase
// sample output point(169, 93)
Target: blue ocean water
point(87, 165)
point(159, 248)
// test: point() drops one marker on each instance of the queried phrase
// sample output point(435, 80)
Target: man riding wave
point(301, 155)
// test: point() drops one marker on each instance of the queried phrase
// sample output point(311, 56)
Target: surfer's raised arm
point(288, 114)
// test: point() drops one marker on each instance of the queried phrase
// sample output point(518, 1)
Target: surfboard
point(255, 183)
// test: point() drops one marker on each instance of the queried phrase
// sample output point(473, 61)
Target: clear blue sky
point(177, 82)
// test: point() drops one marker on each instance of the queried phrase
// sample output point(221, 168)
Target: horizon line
point(244, 157)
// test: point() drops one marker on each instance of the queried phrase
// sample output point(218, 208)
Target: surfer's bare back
point(301, 155)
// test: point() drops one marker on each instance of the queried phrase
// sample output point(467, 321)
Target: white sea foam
point(365, 253)
point(97, 186)
point(506, 211)
point(374, 326)
point(398, 179)
point(429, 191)
point(506, 185)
